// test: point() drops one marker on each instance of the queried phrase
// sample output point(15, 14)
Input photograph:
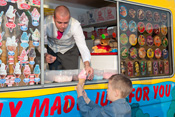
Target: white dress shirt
point(73, 34)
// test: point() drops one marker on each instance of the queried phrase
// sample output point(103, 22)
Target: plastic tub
point(98, 74)
point(108, 73)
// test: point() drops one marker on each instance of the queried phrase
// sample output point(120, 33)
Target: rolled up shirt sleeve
point(81, 43)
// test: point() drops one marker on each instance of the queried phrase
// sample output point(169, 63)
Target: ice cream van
point(142, 44)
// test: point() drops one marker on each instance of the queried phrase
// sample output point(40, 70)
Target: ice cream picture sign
point(19, 39)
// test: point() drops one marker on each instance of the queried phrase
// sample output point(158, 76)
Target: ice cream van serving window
point(145, 41)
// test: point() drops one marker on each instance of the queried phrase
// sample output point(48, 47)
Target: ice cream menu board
point(19, 40)
point(145, 41)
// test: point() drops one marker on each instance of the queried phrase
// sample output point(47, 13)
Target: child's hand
point(86, 99)
point(80, 89)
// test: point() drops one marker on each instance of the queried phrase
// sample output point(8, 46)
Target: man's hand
point(89, 70)
point(80, 89)
point(49, 58)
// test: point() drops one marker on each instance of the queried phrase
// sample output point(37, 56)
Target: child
point(119, 87)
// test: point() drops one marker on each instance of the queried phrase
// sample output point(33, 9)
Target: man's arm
point(84, 51)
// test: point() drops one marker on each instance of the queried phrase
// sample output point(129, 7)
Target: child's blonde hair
point(121, 83)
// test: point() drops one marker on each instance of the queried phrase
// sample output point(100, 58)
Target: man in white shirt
point(64, 34)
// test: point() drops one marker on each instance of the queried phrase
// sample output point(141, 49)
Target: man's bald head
point(61, 11)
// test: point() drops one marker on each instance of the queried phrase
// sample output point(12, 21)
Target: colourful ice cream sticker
point(132, 13)
point(37, 70)
point(123, 39)
point(35, 17)
point(150, 53)
point(142, 52)
point(36, 37)
point(17, 70)
point(149, 28)
point(140, 14)
point(133, 52)
point(149, 41)
point(124, 52)
point(157, 41)
point(26, 71)
point(25, 39)
point(141, 27)
point(3, 71)
point(123, 11)
point(156, 29)
point(123, 25)
point(165, 53)
point(164, 29)
point(10, 15)
point(11, 43)
point(141, 40)
point(149, 15)
point(164, 41)
point(158, 53)
point(132, 26)
point(133, 39)
point(23, 22)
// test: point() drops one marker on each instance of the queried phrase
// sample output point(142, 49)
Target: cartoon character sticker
point(140, 14)
point(132, 13)
point(123, 39)
point(164, 42)
point(130, 68)
point(156, 29)
point(123, 11)
point(150, 53)
point(137, 68)
point(142, 52)
point(158, 53)
point(123, 25)
point(141, 40)
point(149, 28)
point(155, 68)
point(149, 15)
point(133, 39)
point(124, 52)
point(149, 64)
point(143, 68)
point(164, 29)
point(157, 41)
point(141, 27)
point(133, 52)
point(149, 40)
point(156, 17)
point(132, 26)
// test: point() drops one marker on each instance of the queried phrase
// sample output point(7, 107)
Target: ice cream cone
point(2, 76)
point(31, 58)
point(37, 75)
point(26, 75)
point(81, 81)
point(17, 75)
